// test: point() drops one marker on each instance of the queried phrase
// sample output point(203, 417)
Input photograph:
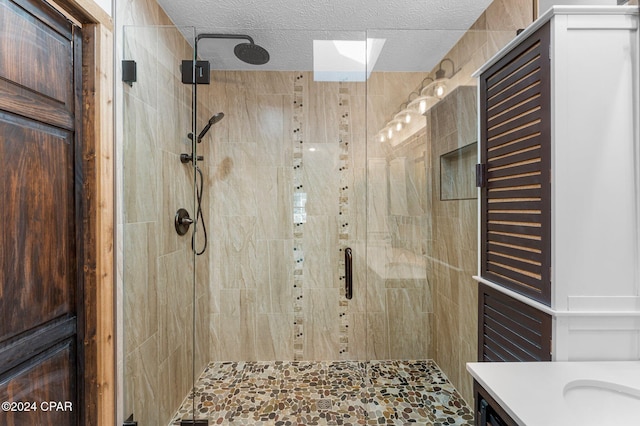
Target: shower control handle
point(186, 158)
point(348, 273)
point(182, 221)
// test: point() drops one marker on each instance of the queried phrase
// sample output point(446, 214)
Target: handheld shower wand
point(213, 120)
point(185, 158)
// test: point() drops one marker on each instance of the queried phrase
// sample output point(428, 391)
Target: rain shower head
point(250, 52)
point(213, 120)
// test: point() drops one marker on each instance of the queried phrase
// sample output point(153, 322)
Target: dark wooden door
point(40, 201)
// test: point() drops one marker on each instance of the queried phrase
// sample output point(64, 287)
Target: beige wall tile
point(281, 276)
point(176, 192)
point(357, 335)
point(321, 180)
point(140, 292)
point(263, 278)
point(143, 375)
point(322, 325)
point(274, 337)
point(269, 136)
point(180, 382)
point(320, 245)
point(322, 110)
point(175, 299)
point(241, 107)
point(237, 336)
point(377, 336)
point(274, 82)
point(141, 45)
point(275, 276)
point(164, 404)
point(141, 159)
point(238, 256)
point(274, 196)
point(214, 337)
point(377, 197)
point(202, 341)
point(234, 180)
point(408, 325)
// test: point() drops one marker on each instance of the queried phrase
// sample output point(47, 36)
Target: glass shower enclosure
point(311, 177)
point(163, 342)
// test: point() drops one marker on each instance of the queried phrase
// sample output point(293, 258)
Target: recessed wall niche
point(457, 173)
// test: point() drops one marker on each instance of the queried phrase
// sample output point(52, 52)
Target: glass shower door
point(159, 267)
point(287, 194)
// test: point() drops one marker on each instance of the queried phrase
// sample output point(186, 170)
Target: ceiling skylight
point(345, 60)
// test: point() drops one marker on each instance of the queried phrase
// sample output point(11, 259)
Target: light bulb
point(423, 106)
point(382, 138)
point(407, 118)
point(398, 126)
point(439, 91)
point(390, 133)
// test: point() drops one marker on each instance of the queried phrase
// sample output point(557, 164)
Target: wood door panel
point(39, 107)
point(50, 377)
point(37, 252)
point(39, 57)
point(43, 193)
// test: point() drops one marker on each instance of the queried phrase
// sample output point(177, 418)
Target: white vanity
point(563, 393)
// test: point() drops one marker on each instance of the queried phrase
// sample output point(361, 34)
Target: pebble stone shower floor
point(326, 393)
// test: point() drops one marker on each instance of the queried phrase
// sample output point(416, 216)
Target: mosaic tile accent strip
point(343, 211)
point(299, 216)
point(326, 393)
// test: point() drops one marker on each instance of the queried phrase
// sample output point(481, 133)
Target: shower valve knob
point(182, 221)
point(186, 158)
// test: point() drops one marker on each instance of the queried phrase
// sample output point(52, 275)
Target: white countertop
point(564, 393)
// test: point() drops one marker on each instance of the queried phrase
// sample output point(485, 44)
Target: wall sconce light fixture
point(430, 93)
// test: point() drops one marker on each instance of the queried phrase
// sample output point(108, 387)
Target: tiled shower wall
point(288, 193)
point(270, 283)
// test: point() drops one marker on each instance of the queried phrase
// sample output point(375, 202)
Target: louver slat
point(502, 100)
point(530, 93)
point(534, 256)
point(515, 148)
point(514, 169)
point(520, 230)
point(502, 193)
point(506, 139)
point(527, 154)
point(506, 72)
point(525, 242)
point(511, 330)
point(524, 120)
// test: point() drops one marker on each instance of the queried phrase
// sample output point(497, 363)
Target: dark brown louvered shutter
point(511, 330)
point(515, 150)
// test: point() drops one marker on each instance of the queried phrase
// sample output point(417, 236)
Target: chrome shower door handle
point(348, 273)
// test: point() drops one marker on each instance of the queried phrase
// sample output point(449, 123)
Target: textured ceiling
point(418, 33)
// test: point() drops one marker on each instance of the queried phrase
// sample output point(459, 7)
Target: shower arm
point(195, 55)
point(219, 36)
point(224, 36)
